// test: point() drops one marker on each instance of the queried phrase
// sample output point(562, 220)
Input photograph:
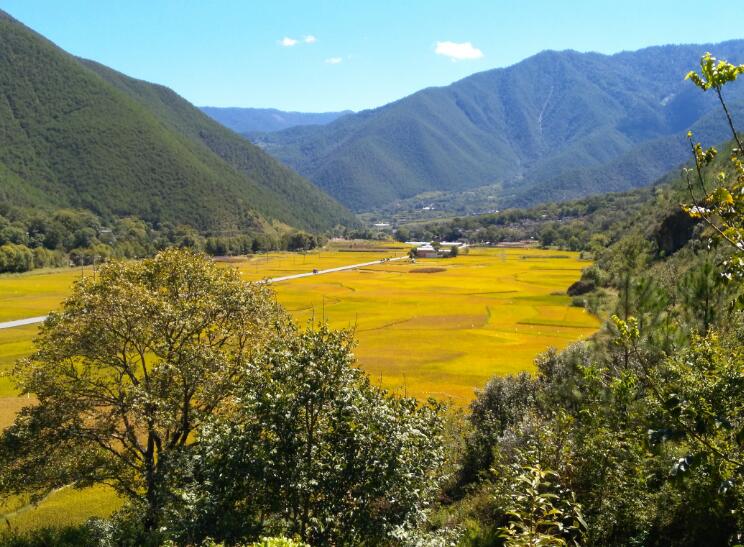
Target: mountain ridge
point(552, 112)
point(252, 120)
point(77, 134)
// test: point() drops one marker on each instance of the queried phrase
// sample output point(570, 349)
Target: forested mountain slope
point(554, 126)
point(250, 120)
point(76, 134)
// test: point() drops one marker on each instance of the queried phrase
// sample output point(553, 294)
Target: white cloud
point(310, 39)
point(333, 60)
point(458, 51)
point(288, 42)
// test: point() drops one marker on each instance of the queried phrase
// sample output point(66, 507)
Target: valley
point(403, 313)
point(475, 293)
point(438, 327)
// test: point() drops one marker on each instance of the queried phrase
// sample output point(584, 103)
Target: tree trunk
point(151, 519)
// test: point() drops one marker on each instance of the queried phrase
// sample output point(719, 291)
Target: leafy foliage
point(137, 360)
point(312, 449)
point(722, 206)
point(80, 536)
point(541, 513)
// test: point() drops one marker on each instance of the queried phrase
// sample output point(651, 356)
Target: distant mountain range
point(74, 133)
point(251, 120)
point(555, 126)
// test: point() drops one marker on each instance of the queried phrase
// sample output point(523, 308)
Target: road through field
point(22, 322)
point(332, 270)
point(41, 318)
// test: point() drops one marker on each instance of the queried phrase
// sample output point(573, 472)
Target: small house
point(426, 251)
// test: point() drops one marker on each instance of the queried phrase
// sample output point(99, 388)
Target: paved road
point(331, 270)
point(40, 319)
point(21, 322)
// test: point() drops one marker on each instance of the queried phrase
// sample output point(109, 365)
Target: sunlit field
point(36, 292)
point(437, 327)
point(60, 508)
point(442, 327)
point(282, 264)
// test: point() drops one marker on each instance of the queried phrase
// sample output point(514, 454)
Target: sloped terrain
point(555, 126)
point(76, 134)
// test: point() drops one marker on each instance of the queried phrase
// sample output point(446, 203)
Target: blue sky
point(334, 55)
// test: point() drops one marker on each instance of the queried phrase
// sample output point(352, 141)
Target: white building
point(426, 251)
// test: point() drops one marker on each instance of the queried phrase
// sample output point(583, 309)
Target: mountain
point(252, 120)
point(74, 133)
point(557, 125)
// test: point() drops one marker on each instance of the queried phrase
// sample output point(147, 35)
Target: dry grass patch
point(427, 270)
point(9, 406)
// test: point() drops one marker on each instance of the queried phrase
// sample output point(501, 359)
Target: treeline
point(575, 225)
point(32, 239)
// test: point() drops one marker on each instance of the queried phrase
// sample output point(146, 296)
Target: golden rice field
point(442, 327)
point(439, 327)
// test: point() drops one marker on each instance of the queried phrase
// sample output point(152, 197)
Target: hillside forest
point(95, 163)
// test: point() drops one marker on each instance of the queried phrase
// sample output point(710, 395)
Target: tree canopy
point(138, 358)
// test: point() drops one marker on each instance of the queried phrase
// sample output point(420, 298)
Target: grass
point(62, 507)
point(14, 344)
point(442, 334)
point(36, 292)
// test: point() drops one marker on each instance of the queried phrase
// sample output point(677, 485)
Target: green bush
point(73, 536)
point(16, 258)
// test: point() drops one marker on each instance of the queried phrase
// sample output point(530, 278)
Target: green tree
point(403, 234)
point(695, 411)
point(720, 202)
point(15, 258)
point(300, 241)
point(313, 449)
point(542, 513)
point(137, 360)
